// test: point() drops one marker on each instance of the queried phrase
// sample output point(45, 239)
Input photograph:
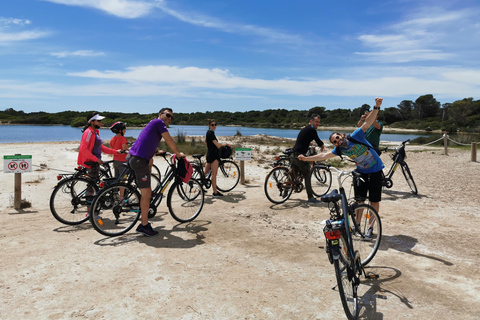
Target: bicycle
point(73, 193)
point(228, 174)
point(282, 181)
point(112, 215)
point(399, 160)
point(348, 239)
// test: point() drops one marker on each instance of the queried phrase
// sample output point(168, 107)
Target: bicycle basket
point(225, 152)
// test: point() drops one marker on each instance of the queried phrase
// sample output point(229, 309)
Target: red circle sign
point(23, 165)
point(12, 166)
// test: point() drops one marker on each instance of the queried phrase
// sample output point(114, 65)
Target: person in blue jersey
point(362, 153)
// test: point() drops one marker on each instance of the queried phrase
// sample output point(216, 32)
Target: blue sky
point(209, 55)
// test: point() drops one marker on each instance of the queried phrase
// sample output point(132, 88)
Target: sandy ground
point(243, 257)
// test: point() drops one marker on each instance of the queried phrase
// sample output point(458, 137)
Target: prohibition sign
point(23, 165)
point(12, 166)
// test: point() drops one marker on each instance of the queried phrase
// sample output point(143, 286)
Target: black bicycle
point(228, 174)
point(116, 208)
point(352, 233)
point(399, 160)
point(282, 181)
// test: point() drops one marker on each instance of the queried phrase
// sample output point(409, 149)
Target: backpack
point(369, 146)
point(184, 169)
point(225, 152)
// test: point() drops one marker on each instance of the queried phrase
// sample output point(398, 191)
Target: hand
point(100, 161)
point(301, 157)
point(322, 148)
point(378, 102)
point(181, 155)
point(363, 117)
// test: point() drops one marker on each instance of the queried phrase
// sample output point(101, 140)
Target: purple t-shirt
point(97, 147)
point(148, 139)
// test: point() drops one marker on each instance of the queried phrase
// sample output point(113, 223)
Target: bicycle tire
point(69, 202)
point(278, 187)
point(321, 179)
point(112, 215)
point(185, 200)
point(228, 175)
point(408, 176)
point(347, 283)
point(366, 246)
point(199, 175)
point(156, 172)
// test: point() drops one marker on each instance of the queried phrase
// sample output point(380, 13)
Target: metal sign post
point(243, 154)
point(17, 164)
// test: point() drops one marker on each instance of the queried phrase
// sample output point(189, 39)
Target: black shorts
point(142, 171)
point(372, 186)
point(211, 157)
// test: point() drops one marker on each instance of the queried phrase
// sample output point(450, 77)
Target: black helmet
point(118, 127)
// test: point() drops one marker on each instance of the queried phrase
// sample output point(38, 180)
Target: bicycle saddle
point(332, 196)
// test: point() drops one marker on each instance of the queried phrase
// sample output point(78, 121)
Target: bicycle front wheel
point(71, 199)
point(321, 179)
point(185, 200)
point(278, 186)
point(347, 282)
point(366, 232)
point(115, 209)
point(228, 175)
point(408, 176)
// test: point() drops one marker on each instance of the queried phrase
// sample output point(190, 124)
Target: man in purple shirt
point(140, 159)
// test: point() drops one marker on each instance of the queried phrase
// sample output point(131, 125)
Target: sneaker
point(218, 194)
point(368, 234)
point(314, 201)
point(146, 230)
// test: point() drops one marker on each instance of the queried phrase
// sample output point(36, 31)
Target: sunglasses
point(213, 125)
point(169, 115)
point(334, 141)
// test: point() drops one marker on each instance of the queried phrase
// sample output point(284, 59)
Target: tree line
point(425, 113)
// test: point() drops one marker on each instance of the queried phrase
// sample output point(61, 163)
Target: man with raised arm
point(140, 159)
point(362, 153)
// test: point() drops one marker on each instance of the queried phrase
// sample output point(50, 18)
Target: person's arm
point(219, 145)
point(372, 116)
point(361, 121)
point(317, 157)
point(319, 142)
point(377, 125)
point(171, 143)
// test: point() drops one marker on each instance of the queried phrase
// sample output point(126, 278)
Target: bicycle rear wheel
point(321, 179)
point(365, 241)
point(113, 214)
point(71, 199)
point(278, 187)
point(408, 176)
point(228, 175)
point(348, 279)
point(185, 200)
point(156, 172)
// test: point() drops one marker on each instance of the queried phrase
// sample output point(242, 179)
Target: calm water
point(24, 133)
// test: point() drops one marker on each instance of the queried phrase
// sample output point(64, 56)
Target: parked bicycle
point(353, 234)
point(282, 181)
point(112, 214)
point(228, 174)
point(399, 160)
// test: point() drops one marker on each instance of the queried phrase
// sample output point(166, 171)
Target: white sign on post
point(243, 154)
point(17, 163)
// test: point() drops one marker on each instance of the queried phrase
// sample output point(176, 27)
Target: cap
point(96, 117)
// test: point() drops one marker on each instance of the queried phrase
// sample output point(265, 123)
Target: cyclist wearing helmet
point(119, 142)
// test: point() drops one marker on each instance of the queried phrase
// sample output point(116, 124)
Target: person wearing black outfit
point(304, 138)
point(213, 156)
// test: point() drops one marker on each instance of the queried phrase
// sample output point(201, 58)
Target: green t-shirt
point(373, 134)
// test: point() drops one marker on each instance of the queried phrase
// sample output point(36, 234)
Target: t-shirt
point(116, 143)
point(367, 160)
point(97, 147)
point(373, 134)
point(305, 136)
point(212, 148)
point(148, 139)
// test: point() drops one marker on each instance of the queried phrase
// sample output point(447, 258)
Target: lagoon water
point(38, 133)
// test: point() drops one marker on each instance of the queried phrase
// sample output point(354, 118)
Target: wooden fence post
point(445, 142)
point(242, 172)
point(17, 202)
point(474, 152)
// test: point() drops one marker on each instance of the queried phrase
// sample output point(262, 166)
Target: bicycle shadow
point(295, 203)
point(405, 244)
point(378, 290)
point(230, 197)
point(399, 195)
point(79, 227)
point(165, 238)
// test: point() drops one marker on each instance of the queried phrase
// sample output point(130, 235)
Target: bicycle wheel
point(185, 200)
point(408, 176)
point(154, 182)
point(113, 214)
point(228, 175)
point(198, 174)
point(321, 179)
point(347, 281)
point(278, 187)
point(365, 241)
point(156, 172)
point(71, 199)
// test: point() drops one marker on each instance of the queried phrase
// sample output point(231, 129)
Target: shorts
point(372, 186)
point(212, 157)
point(142, 171)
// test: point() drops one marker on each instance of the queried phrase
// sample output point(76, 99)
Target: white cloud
point(22, 36)
point(14, 21)
point(129, 9)
point(79, 53)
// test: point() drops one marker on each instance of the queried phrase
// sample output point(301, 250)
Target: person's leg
point(214, 167)
point(145, 204)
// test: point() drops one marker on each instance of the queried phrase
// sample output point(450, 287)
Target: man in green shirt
point(373, 132)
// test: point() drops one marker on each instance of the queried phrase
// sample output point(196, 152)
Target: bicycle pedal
point(372, 276)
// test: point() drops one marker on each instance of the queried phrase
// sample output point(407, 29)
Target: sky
point(231, 55)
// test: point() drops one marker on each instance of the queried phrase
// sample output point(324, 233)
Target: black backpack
point(338, 150)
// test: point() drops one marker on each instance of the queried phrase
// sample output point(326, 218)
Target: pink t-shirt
point(116, 143)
